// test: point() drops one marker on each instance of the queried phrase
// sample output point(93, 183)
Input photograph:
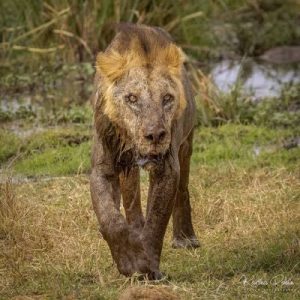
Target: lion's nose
point(155, 135)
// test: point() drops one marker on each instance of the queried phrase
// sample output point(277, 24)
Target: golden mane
point(139, 46)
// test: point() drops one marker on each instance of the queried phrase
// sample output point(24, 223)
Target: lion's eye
point(131, 98)
point(167, 99)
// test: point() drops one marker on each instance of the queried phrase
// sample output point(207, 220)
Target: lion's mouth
point(144, 160)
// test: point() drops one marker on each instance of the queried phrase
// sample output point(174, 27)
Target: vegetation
point(72, 30)
point(10, 144)
point(245, 197)
point(66, 150)
point(247, 220)
point(216, 107)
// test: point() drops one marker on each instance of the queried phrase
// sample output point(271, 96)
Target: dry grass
point(247, 221)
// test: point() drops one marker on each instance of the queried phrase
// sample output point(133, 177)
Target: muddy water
point(48, 88)
point(256, 78)
point(64, 96)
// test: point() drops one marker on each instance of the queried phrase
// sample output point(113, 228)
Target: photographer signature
point(277, 281)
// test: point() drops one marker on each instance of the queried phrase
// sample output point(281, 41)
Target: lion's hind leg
point(183, 231)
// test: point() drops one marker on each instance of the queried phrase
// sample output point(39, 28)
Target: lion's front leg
point(131, 195)
point(163, 188)
point(124, 241)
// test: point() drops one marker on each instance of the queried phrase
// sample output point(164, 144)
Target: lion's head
point(141, 88)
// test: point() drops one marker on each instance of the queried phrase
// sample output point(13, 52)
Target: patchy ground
point(245, 193)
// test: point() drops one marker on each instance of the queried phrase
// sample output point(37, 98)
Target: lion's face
point(146, 102)
point(142, 90)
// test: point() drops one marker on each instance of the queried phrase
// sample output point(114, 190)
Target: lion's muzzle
point(154, 133)
point(150, 161)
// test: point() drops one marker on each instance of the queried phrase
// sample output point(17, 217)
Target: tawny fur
point(146, 48)
point(144, 115)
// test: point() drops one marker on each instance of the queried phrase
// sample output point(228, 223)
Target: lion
point(144, 117)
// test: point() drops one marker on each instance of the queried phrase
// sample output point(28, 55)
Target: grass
point(60, 151)
point(247, 221)
point(66, 150)
point(216, 107)
point(10, 144)
point(75, 30)
point(245, 210)
point(245, 145)
point(65, 160)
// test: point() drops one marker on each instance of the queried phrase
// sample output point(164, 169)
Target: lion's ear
point(173, 57)
point(110, 65)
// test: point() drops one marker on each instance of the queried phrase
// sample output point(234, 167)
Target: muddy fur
point(144, 114)
point(143, 48)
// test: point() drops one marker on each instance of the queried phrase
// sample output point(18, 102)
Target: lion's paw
point(185, 243)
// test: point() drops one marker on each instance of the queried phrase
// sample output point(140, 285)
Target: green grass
point(9, 145)
point(64, 160)
point(239, 145)
point(57, 137)
point(60, 151)
point(66, 150)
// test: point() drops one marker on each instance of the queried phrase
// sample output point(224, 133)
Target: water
point(48, 89)
point(63, 96)
point(258, 79)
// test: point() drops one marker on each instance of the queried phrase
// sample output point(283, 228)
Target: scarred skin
point(141, 125)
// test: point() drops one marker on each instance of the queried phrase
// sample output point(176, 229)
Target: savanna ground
point(245, 171)
point(245, 209)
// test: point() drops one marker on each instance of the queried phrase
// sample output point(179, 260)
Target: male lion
point(144, 115)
